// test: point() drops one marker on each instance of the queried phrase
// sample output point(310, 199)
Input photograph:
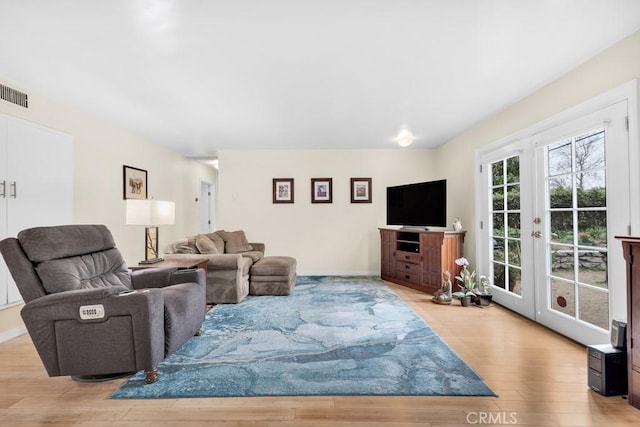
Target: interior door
point(4, 272)
point(39, 181)
point(582, 202)
point(206, 223)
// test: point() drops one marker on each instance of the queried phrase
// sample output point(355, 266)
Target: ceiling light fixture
point(405, 137)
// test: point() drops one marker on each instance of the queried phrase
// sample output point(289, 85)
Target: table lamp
point(151, 214)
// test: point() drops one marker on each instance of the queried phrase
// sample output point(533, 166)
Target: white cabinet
point(36, 184)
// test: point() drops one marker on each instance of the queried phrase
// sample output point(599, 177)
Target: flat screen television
point(420, 205)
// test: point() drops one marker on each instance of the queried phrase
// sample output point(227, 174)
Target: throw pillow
point(236, 242)
point(205, 245)
point(186, 246)
point(184, 249)
point(216, 238)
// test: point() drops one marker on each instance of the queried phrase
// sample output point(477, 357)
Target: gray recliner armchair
point(88, 315)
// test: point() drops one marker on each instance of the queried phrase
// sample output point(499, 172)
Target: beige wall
point(100, 151)
point(613, 67)
point(337, 238)
point(334, 238)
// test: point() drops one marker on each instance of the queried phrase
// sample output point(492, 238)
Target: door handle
point(536, 234)
point(3, 184)
point(15, 190)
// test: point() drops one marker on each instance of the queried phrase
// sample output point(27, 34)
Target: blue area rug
point(331, 336)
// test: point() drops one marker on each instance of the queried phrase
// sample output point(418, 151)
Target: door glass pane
point(498, 249)
point(513, 169)
point(506, 254)
point(498, 224)
point(514, 224)
point(592, 228)
point(560, 192)
point(498, 199)
point(591, 190)
point(589, 152)
point(577, 239)
point(563, 297)
point(514, 252)
point(497, 173)
point(592, 267)
point(559, 158)
point(562, 261)
point(561, 226)
point(515, 284)
point(593, 306)
point(513, 197)
point(498, 275)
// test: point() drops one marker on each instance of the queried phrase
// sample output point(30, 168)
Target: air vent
point(13, 96)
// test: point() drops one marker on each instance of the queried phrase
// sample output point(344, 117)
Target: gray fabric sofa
point(230, 259)
point(88, 315)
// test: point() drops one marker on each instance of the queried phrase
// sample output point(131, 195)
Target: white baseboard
point(12, 333)
point(338, 273)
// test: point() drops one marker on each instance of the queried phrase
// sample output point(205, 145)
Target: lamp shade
point(150, 212)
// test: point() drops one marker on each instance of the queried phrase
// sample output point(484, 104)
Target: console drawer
point(408, 272)
point(408, 277)
point(408, 257)
point(406, 268)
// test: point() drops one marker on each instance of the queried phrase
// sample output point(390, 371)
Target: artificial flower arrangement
point(467, 279)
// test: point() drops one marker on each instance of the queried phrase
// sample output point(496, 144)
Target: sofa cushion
point(235, 242)
point(205, 245)
point(276, 266)
point(186, 249)
point(185, 245)
point(217, 240)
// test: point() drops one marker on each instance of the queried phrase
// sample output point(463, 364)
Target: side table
point(180, 264)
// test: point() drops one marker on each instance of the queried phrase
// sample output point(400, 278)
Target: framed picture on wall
point(283, 190)
point(360, 190)
point(134, 183)
point(321, 190)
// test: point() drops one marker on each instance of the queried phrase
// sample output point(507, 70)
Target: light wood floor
point(540, 377)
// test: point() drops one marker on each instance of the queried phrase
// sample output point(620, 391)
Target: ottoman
point(273, 275)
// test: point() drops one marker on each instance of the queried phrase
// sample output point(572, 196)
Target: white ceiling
point(201, 76)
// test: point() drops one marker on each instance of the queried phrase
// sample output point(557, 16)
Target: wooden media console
point(417, 258)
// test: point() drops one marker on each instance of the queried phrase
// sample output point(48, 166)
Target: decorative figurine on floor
point(443, 295)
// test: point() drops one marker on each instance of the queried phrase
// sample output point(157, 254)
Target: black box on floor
point(607, 370)
point(619, 334)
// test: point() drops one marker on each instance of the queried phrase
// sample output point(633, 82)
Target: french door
point(583, 202)
point(553, 203)
point(508, 209)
